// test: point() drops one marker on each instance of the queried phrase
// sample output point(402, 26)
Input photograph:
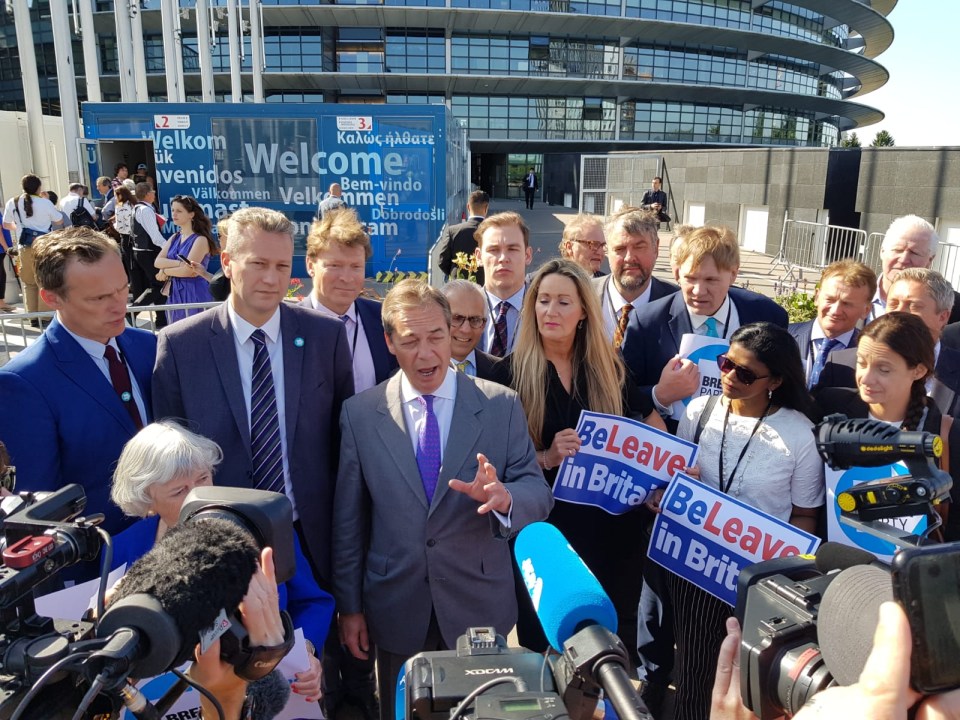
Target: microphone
point(172, 594)
point(837, 556)
point(578, 619)
point(269, 694)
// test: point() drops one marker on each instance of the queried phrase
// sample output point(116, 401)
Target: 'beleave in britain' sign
point(619, 463)
point(839, 481)
point(707, 537)
point(702, 351)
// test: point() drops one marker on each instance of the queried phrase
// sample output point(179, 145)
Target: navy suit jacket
point(197, 378)
point(459, 238)
point(654, 331)
point(65, 422)
point(803, 333)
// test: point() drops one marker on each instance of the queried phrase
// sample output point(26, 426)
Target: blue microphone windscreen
point(565, 594)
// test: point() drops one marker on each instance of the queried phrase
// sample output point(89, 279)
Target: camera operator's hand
point(883, 691)
point(726, 703)
point(353, 634)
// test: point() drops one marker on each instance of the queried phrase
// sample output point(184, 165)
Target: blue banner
point(619, 463)
point(708, 537)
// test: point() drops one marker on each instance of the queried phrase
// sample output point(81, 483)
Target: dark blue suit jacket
point(197, 378)
point(803, 333)
point(64, 421)
point(384, 361)
point(654, 331)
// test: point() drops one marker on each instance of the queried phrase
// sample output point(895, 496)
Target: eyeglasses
point(476, 321)
point(592, 244)
point(744, 375)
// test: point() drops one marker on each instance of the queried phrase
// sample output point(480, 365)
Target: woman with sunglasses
point(895, 354)
point(756, 445)
point(194, 241)
point(562, 363)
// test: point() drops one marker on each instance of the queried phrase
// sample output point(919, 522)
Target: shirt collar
point(471, 358)
point(617, 300)
point(447, 389)
point(816, 333)
point(515, 300)
point(722, 315)
point(91, 347)
point(244, 330)
point(317, 305)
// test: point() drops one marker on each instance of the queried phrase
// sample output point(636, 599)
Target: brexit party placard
point(708, 537)
point(839, 481)
point(620, 461)
point(703, 352)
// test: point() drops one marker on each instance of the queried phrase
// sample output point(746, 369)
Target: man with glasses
point(632, 248)
point(337, 251)
point(583, 242)
point(469, 316)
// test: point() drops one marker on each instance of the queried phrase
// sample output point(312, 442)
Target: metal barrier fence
point(813, 246)
point(17, 332)
point(947, 262)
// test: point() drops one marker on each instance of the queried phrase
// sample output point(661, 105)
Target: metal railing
point(17, 332)
point(813, 246)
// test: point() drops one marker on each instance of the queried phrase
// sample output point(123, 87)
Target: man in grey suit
point(632, 248)
point(437, 471)
point(263, 379)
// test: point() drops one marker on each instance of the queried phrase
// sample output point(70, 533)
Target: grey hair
point(451, 286)
point(633, 222)
point(248, 220)
point(902, 225)
point(940, 289)
point(157, 454)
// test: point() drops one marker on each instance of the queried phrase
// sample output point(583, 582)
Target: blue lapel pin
point(298, 342)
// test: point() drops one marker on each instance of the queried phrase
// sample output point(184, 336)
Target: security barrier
point(813, 246)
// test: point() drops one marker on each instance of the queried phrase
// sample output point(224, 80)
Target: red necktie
point(121, 383)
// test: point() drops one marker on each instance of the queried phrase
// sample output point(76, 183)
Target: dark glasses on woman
point(744, 375)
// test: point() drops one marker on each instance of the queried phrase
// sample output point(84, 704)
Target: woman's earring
point(580, 325)
point(769, 394)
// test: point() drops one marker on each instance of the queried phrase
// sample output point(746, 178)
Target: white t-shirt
point(781, 467)
point(44, 214)
point(70, 202)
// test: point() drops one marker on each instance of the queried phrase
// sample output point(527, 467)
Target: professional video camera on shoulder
point(483, 678)
point(808, 623)
point(190, 582)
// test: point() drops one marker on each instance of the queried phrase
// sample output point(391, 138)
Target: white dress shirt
point(364, 374)
point(242, 330)
point(613, 302)
point(727, 317)
point(96, 349)
point(515, 303)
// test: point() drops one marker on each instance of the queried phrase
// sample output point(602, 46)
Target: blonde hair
point(338, 228)
point(592, 353)
point(718, 243)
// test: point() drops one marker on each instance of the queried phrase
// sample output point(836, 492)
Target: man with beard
point(632, 247)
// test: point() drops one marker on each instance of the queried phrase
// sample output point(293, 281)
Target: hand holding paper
point(679, 379)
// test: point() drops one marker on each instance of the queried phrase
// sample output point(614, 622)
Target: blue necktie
point(428, 448)
point(826, 347)
point(265, 443)
point(711, 326)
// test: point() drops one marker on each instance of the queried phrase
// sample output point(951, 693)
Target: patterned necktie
point(462, 367)
point(265, 443)
point(121, 383)
point(621, 326)
point(499, 345)
point(428, 448)
point(711, 326)
point(344, 319)
point(826, 347)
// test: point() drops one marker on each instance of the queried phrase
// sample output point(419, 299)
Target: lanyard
point(725, 489)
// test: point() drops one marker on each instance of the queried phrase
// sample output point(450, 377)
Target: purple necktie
point(428, 448)
point(498, 346)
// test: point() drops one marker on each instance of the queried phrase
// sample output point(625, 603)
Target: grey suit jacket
point(197, 378)
point(396, 558)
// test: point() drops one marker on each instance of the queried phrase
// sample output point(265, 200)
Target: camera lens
point(802, 673)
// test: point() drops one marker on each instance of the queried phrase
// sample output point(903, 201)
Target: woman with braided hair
point(895, 359)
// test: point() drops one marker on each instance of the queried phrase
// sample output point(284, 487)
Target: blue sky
point(922, 99)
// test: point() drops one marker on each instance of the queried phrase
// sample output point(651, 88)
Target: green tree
point(883, 139)
point(850, 140)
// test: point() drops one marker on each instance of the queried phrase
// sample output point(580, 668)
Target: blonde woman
point(563, 363)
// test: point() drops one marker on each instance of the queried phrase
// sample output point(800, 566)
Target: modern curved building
point(527, 77)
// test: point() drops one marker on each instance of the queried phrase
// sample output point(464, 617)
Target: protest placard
point(839, 481)
point(703, 351)
point(708, 537)
point(619, 463)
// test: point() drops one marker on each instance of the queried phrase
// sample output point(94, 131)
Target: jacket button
point(431, 542)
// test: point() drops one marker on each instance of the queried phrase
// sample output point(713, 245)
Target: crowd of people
point(416, 437)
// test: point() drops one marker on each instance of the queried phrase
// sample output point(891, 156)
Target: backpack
point(81, 217)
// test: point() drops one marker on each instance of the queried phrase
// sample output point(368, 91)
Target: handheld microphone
point(578, 619)
point(176, 591)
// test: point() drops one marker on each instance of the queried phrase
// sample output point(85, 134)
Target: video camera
point(51, 667)
point(808, 623)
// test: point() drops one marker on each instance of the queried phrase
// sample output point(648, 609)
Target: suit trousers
point(143, 279)
point(390, 664)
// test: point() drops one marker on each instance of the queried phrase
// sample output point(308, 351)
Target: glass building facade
point(614, 73)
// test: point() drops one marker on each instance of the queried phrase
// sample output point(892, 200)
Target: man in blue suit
point(76, 396)
point(337, 251)
point(706, 305)
point(843, 301)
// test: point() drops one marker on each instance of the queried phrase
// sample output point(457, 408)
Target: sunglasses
point(744, 375)
point(476, 321)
